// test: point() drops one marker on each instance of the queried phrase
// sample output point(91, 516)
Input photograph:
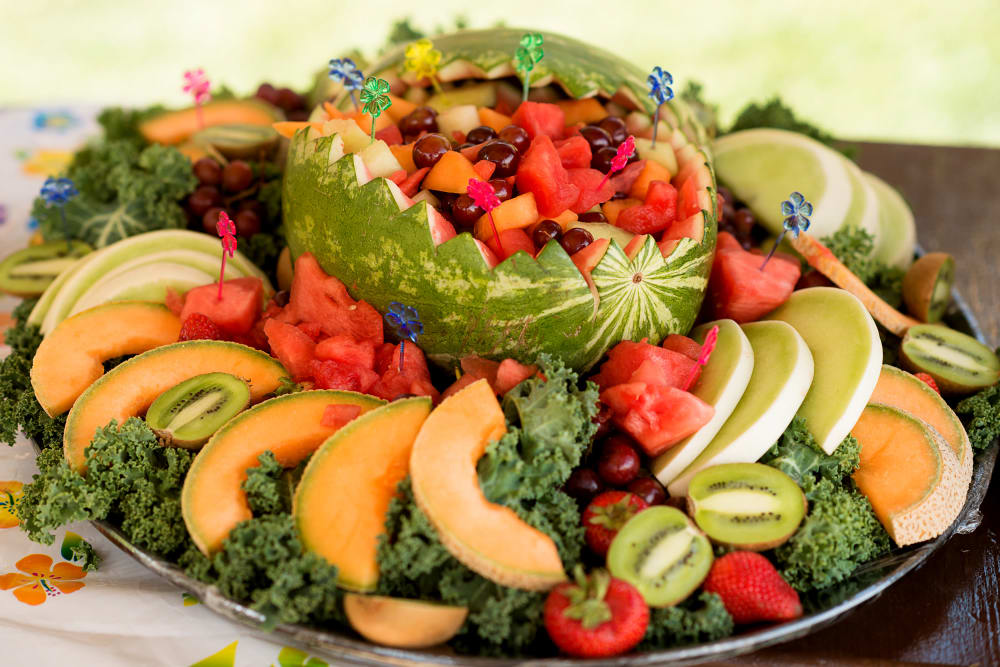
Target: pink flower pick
point(620, 159)
point(485, 197)
point(198, 85)
point(706, 351)
point(227, 232)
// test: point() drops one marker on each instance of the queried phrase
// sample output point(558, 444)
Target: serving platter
point(822, 608)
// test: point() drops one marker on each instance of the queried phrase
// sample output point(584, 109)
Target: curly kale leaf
point(84, 553)
point(799, 456)
point(263, 249)
point(981, 413)
point(695, 621)
point(774, 113)
point(267, 487)
point(853, 246)
point(120, 124)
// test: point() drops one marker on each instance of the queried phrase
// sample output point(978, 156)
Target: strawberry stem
point(586, 599)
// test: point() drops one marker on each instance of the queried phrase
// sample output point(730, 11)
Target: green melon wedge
point(864, 209)
point(764, 166)
point(722, 384)
point(897, 236)
point(37, 315)
point(845, 345)
point(782, 374)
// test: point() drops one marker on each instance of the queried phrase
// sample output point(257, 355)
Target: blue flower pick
point(344, 70)
point(660, 92)
point(796, 211)
point(56, 192)
point(405, 322)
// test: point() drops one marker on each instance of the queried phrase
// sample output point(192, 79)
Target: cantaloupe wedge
point(493, 119)
point(900, 389)
point(450, 174)
point(342, 499)
point(652, 171)
point(71, 357)
point(173, 127)
point(212, 501)
point(515, 213)
point(587, 110)
point(129, 389)
point(402, 623)
point(909, 473)
point(489, 539)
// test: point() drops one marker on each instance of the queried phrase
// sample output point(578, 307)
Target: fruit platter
point(492, 349)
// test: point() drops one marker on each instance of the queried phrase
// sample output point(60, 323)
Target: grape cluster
point(286, 99)
point(232, 188)
point(736, 219)
point(616, 464)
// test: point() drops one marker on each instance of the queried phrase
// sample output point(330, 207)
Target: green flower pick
point(528, 54)
point(375, 98)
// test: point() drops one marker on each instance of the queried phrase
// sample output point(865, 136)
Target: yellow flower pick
point(422, 59)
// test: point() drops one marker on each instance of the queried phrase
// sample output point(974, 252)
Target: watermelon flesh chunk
point(293, 348)
point(739, 290)
point(656, 416)
point(540, 119)
point(414, 378)
point(511, 373)
point(574, 152)
point(683, 345)
point(511, 240)
point(342, 376)
point(656, 213)
point(237, 310)
point(347, 350)
point(659, 365)
point(592, 192)
point(317, 297)
point(541, 173)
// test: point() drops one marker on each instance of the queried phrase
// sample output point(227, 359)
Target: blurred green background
point(900, 70)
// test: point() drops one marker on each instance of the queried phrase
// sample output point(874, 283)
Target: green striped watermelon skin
point(521, 308)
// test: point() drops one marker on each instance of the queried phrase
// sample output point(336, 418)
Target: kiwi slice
point(662, 554)
point(27, 272)
point(238, 140)
point(959, 363)
point(746, 505)
point(927, 286)
point(188, 414)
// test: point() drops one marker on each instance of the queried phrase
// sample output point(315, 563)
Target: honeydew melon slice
point(722, 384)
point(782, 374)
point(147, 282)
point(37, 315)
point(897, 232)
point(845, 345)
point(605, 230)
point(864, 209)
point(764, 166)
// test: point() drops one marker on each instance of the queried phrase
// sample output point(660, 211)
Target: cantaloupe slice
point(128, 389)
point(909, 393)
point(342, 499)
point(71, 357)
point(909, 473)
point(290, 426)
point(402, 623)
point(450, 174)
point(173, 127)
point(487, 538)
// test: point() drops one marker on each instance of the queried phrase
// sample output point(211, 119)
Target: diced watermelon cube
point(411, 185)
point(235, 312)
point(485, 169)
point(398, 176)
point(291, 346)
point(414, 379)
point(317, 297)
point(338, 375)
point(174, 301)
point(539, 118)
point(383, 357)
point(655, 214)
point(390, 134)
point(541, 173)
point(338, 415)
point(481, 369)
point(512, 240)
point(656, 416)
point(458, 385)
point(511, 373)
point(347, 350)
point(574, 152)
point(311, 329)
point(740, 290)
point(626, 357)
point(692, 227)
point(683, 345)
point(592, 192)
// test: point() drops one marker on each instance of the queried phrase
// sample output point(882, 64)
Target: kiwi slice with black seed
point(662, 554)
point(188, 414)
point(927, 286)
point(746, 505)
point(26, 273)
point(959, 363)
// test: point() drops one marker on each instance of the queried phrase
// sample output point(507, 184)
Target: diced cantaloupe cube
point(404, 155)
point(400, 107)
point(451, 174)
point(651, 171)
point(491, 118)
point(615, 206)
point(587, 110)
point(515, 213)
point(364, 121)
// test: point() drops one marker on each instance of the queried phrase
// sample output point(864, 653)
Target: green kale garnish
point(120, 124)
point(263, 249)
point(841, 530)
point(853, 246)
point(981, 413)
point(695, 621)
point(83, 552)
point(267, 487)
point(774, 113)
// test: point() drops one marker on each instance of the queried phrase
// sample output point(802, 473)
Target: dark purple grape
point(592, 216)
point(618, 462)
point(603, 420)
point(545, 231)
point(726, 194)
point(502, 188)
point(447, 199)
point(597, 137)
point(478, 135)
point(649, 490)
point(583, 484)
point(421, 119)
point(743, 222)
point(208, 171)
point(516, 137)
point(268, 93)
point(236, 176)
point(576, 239)
point(602, 159)
point(247, 223)
point(251, 205)
point(614, 126)
point(429, 149)
point(467, 144)
point(204, 198)
point(503, 155)
point(210, 219)
point(465, 212)
point(298, 115)
point(288, 100)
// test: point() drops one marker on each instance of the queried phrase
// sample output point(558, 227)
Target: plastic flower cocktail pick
point(375, 98)
point(198, 85)
point(659, 91)
point(423, 59)
point(485, 197)
point(711, 338)
point(56, 192)
point(227, 232)
point(347, 72)
point(796, 211)
point(528, 54)
point(620, 159)
point(405, 321)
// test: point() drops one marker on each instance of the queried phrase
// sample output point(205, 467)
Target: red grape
point(618, 463)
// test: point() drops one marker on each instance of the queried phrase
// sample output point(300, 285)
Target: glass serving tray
point(822, 609)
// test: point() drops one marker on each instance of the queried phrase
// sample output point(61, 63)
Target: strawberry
point(928, 380)
point(595, 617)
point(606, 514)
point(751, 589)
point(199, 327)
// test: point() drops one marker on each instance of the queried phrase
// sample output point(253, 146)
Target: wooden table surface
point(948, 611)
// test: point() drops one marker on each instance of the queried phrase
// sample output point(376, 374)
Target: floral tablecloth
point(51, 611)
